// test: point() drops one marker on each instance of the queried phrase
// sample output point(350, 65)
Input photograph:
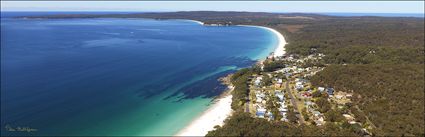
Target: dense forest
point(390, 95)
point(242, 124)
point(379, 59)
point(362, 40)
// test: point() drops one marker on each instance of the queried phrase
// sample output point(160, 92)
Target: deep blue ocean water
point(117, 76)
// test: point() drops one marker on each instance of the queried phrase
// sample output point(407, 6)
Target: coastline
point(201, 125)
point(195, 21)
point(280, 49)
point(220, 109)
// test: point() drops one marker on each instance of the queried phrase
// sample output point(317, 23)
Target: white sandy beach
point(280, 49)
point(215, 115)
point(199, 22)
point(221, 109)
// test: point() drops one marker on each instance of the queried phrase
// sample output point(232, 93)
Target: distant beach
point(195, 21)
point(280, 49)
point(221, 108)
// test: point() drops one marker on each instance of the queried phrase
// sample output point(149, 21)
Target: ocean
point(123, 77)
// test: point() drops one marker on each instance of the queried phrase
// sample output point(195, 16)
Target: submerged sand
point(221, 108)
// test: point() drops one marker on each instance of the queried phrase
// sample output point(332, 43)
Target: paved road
point(294, 103)
point(247, 106)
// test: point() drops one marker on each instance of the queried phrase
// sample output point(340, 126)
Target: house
point(277, 85)
point(320, 121)
point(300, 69)
point(310, 107)
point(316, 113)
point(349, 95)
point(259, 100)
point(283, 109)
point(280, 96)
point(308, 103)
point(259, 97)
point(330, 91)
point(286, 69)
point(349, 118)
point(352, 122)
point(260, 94)
point(297, 80)
point(321, 89)
point(307, 69)
point(261, 112)
point(288, 75)
point(270, 115)
point(310, 91)
point(257, 81)
point(299, 85)
point(339, 96)
point(280, 81)
point(306, 94)
point(283, 116)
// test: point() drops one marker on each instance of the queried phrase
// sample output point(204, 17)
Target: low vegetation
point(390, 95)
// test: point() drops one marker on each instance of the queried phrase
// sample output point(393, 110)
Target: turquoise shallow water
point(117, 76)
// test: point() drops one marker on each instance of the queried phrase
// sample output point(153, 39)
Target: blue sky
point(264, 6)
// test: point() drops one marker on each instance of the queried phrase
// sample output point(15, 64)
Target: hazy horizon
point(211, 11)
point(409, 7)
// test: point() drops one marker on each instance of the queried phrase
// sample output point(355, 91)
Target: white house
point(280, 96)
point(280, 81)
point(299, 85)
point(321, 89)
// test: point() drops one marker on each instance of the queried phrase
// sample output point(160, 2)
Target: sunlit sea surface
point(117, 76)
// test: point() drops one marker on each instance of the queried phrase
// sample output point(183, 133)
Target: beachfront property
point(280, 95)
point(297, 76)
point(290, 86)
point(307, 94)
point(330, 91)
point(261, 111)
point(321, 89)
point(299, 86)
point(261, 98)
point(257, 81)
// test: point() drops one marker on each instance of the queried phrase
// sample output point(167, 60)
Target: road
point(294, 103)
point(247, 106)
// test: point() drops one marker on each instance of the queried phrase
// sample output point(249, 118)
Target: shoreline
point(195, 21)
point(217, 112)
point(280, 49)
point(220, 107)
